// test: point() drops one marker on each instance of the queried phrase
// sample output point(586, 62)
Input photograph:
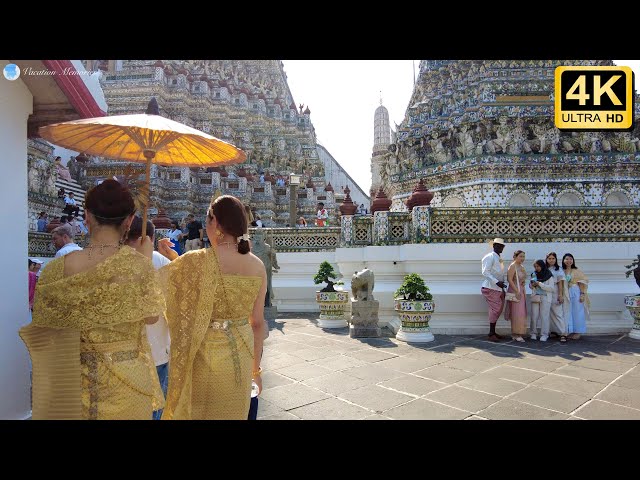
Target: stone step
point(73, 186)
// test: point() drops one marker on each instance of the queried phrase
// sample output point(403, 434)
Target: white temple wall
point(452, 273)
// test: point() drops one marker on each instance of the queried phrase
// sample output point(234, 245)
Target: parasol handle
point(149, 155)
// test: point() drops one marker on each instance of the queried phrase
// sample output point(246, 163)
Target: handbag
point(510, 296)
point(535, 298)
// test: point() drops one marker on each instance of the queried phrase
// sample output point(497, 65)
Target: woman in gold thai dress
point(215, 311)
point(516, 312)
point(91, 358)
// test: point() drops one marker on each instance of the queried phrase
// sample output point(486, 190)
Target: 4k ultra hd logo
point(594, 98)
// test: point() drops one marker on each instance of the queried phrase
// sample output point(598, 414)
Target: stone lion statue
point(362, 284)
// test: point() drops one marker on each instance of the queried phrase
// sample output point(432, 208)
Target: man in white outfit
point(493, 286)
point(157, 333)
point(62, 239)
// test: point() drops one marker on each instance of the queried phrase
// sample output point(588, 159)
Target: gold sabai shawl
point(123, 288)
point(190, 283)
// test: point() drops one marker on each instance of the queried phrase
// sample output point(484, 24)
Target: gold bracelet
point(257, 373)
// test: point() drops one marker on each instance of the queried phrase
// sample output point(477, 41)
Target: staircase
point(74, 187)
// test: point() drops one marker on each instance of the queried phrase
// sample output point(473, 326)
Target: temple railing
point(476, 225)
point(441, 225)
point(306, 239)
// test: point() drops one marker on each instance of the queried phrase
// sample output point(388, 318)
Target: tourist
point(493, 285)
point(62, 239)
point(63, 172)
point(194, 235)
point(157, 333)
point(37, 266)
point(322, 216)
point(361, 210)
point(301, 222)
point(558, 326)
point(42, 222)
point(262, 178)
point(215, 310)
point(75, 226)
point(88, 314)
point(258, 221)
point(84, 231)
point(174, 235)
point(542, 285)
point(33, 278)
point(575, 296)
point(71, 208)
point(516, 311)
point(61, 192)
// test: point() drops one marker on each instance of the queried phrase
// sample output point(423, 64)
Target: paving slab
point(551, 399)
point(330, 409)
point(413, 385)
point(375, 398)
point(463, 398)
point(422, 409)
point(292, 396)
point(600, 410)
point(508, 409)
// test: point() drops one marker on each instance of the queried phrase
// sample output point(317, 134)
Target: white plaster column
point(16, 104)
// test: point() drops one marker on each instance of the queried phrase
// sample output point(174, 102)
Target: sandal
point(563, 339)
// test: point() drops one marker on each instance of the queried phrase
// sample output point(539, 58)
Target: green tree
point(325, 274)
point(635, 269)
point(413, 288)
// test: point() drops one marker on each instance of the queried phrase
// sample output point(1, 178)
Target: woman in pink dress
point(516, 312)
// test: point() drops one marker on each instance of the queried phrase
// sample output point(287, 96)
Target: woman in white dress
point(558, 324)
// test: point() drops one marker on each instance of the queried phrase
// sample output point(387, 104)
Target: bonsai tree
point(635, 269)
point(413, 288)
point(325, 274)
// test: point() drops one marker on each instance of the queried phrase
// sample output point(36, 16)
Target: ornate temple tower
point(245, 102)
point(381, 142)
point(481, 134)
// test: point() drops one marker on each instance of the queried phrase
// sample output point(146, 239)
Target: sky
point(343, 96)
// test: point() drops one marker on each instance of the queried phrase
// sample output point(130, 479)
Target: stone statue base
point(364, 319)
point(270, 313)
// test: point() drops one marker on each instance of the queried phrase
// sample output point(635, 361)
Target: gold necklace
point(102, 247)
point(228, 244)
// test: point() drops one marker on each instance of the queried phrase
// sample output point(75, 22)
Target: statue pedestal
point(332, 306)
point(364, 319)
point(270, 313)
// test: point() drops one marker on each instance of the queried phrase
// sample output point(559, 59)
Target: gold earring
point(219, 234)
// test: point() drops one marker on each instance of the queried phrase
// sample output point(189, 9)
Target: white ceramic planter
point(632, 302)
point(332, 308)
point(414, 318)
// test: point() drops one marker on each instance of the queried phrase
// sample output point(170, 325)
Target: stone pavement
point(312, 373)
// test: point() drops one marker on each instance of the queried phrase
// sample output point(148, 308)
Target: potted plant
point(332, 302)
point(632, 302)
point(414, 305)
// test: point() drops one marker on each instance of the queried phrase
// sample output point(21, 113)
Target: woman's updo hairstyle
point(110, 202)
point(232, 219)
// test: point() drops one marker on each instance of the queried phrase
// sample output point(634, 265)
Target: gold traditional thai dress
point(211, 338)
point(87, 341)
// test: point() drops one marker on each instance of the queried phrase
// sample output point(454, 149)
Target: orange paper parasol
point(148, 138)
